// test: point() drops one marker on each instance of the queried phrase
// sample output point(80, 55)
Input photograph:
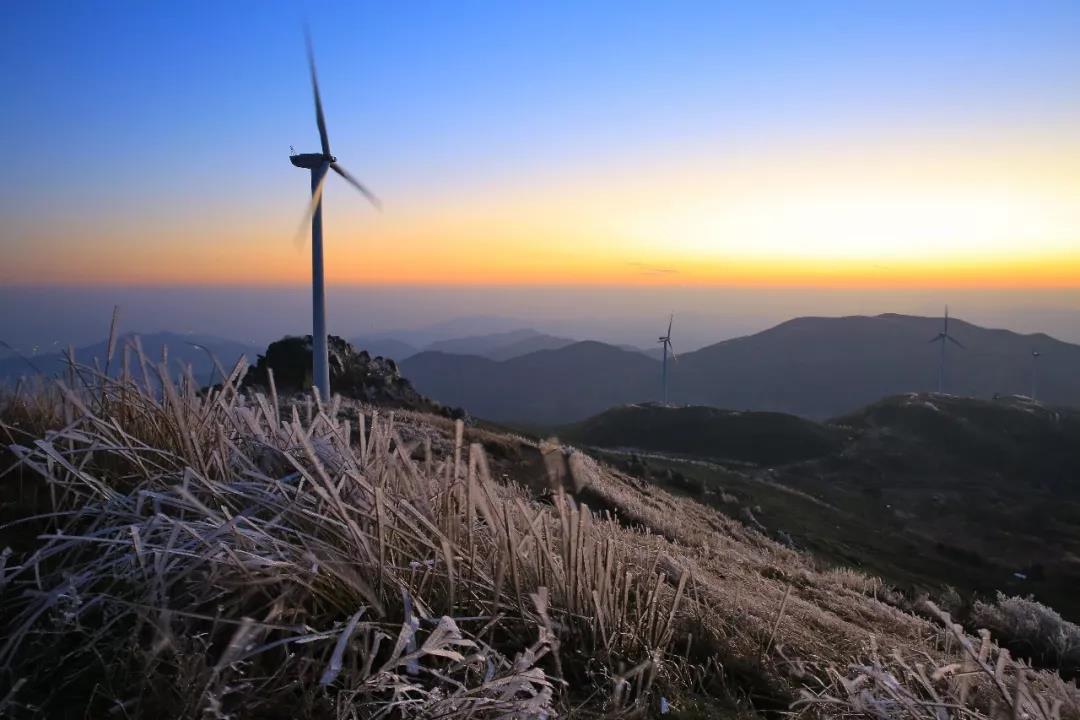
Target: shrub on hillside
point(1033, 630)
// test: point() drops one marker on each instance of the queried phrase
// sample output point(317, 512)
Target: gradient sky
point(787, 144)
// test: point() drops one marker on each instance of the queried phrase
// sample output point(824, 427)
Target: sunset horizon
point(880, 153)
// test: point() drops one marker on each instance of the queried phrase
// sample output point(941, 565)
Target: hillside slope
point(925, 489)
point(256, 560)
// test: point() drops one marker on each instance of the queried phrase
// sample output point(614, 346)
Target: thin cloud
point(646, 269)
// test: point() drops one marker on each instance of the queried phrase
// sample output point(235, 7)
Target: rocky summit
point(353, 373)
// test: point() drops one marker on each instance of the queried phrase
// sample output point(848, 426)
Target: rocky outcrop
point(353, 374)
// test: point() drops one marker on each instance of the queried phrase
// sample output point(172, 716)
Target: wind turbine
point(319, 163)
point(1035, 355)
point(944, 338)
point(665, 340)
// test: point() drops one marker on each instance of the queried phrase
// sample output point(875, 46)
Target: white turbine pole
point(320, 353)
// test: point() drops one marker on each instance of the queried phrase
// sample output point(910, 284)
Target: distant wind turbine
point(665, 340)
point(319, 163)
point(1035, 355)
point(944, 338)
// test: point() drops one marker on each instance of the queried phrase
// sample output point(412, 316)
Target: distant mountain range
point(495, 346)
point(812, 367)
point(547, 386)
point(183, 350)
point(387, 347)
point(501, 346)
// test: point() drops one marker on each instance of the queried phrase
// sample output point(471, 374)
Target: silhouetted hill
point(544, 387)
point(821, 367)
point(921, 488)
point(501, 345)
point(812, 367)
point(753, 437)
point(183, 349)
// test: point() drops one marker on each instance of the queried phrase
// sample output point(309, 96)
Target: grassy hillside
point(218, 555)
point(925, 490)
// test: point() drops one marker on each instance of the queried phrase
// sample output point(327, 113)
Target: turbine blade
point(305, 224)
point(320, 119)
point(670, 320)
point(937, 337)
point(672, 349)
point(358, 185)
point(955, 342)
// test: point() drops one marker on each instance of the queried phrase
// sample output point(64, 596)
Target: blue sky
point(154, 97)
point(137, 127)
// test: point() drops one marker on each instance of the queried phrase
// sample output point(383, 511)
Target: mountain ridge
point(815, 367)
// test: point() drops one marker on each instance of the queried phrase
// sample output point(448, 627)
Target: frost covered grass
point(211, 554)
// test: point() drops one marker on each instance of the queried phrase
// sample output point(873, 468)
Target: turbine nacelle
point(311, 161)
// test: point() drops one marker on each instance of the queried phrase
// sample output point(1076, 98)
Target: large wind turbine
point(665, 340)
point(944, 338)
point(319, 163)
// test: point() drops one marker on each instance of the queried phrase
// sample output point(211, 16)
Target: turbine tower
point(944, 338)
point(665, 340)
point(319, 163)
point(1035, 355)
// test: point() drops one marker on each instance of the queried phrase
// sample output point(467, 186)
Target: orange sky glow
point(987, 212)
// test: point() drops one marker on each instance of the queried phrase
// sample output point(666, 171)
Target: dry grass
point(216, 555)
point(205, 558)
point(983, 680)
